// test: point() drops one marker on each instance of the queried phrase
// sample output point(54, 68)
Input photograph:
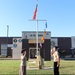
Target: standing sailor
point(56, 60)
point(23, 62)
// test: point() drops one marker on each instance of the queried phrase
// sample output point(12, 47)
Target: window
point(4, 49)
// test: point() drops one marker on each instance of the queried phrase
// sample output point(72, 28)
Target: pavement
point(68, 58)
point(8, 59)
point(36, 68)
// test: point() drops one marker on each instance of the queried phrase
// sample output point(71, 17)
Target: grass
point(11, 67)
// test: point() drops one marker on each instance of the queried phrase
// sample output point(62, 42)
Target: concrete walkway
point(36, 68)
point(8, 59)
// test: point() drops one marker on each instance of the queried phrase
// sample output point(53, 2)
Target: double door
point(33, 53)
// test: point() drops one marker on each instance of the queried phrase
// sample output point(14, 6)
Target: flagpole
point(37, 37)
point(37, 28)
point(35, 18)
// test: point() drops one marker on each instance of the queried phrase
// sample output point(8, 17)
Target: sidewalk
point(36, 68)
point(68, 57)
point(8, 59)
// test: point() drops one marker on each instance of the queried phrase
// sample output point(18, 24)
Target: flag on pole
point(44, 31)
point(46, 24)
point(43, 38)
point(34, 16)
point(40, 45)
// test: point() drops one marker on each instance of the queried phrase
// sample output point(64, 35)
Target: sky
point(60, 16)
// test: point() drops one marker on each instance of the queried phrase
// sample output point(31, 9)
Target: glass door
point(32, 53)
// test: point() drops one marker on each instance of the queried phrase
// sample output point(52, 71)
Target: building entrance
point(33, 53)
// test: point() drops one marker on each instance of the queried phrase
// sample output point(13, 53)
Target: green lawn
point(11, 67)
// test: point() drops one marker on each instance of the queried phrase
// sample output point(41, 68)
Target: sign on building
point(17, 47)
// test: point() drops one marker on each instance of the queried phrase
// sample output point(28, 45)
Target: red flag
point(34, 16)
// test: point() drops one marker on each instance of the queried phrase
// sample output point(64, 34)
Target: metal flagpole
point(37, 20)
point(37, 28)
point(37, 60)
point(37, 32)
point(37, 37)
